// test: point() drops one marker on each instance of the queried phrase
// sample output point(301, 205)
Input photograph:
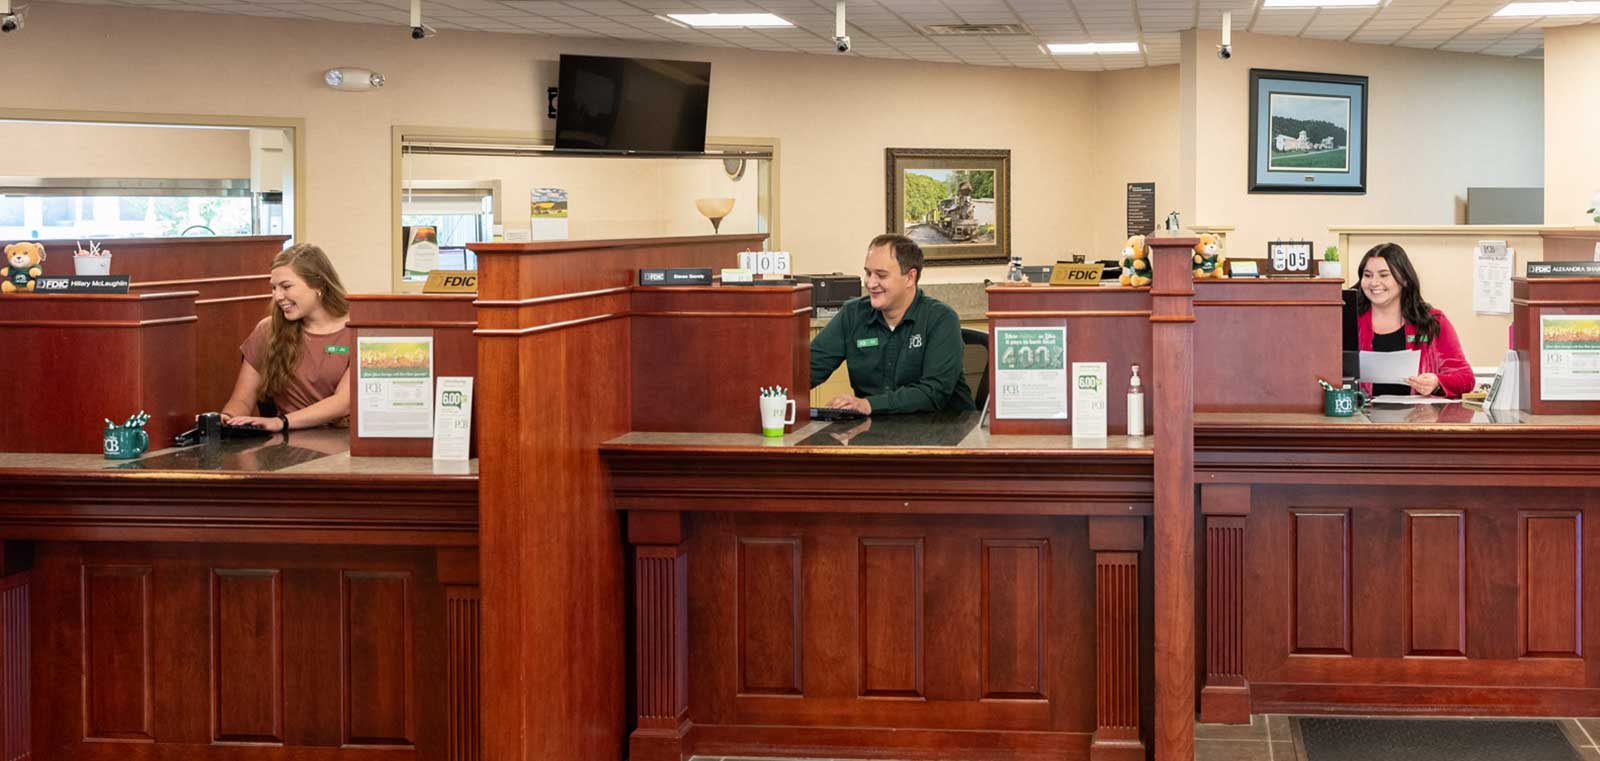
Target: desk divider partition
point(449, 319)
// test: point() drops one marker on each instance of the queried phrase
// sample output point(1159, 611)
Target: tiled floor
point(1271, 738)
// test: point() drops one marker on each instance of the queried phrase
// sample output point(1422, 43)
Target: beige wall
point(832, 115)
point(1136, 139)
point(83, 150)
point(1438, 123)
point(1572, 120)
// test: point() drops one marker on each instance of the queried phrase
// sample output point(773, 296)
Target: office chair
point(975, 364)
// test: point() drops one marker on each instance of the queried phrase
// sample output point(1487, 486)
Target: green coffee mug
point(124, 443)
point(1342, 402)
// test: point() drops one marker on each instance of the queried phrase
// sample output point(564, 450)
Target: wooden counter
point(281, 595)
point(1435, 563)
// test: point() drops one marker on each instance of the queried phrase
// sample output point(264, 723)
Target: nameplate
point(451, 281)
point(676, 276)
point(82, 284)
point(1564, 269)
point(1076, 274)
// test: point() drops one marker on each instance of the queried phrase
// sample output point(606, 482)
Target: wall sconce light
point(352, 78)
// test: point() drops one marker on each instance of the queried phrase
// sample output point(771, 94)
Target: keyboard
point(829, 413)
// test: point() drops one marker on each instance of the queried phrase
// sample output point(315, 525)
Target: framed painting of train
point(1308, 132)
point(956, 204)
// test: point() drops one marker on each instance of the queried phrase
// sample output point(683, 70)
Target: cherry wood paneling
point(1321, 579)
point(1117, 630)
point(1014, 618)
point(1436, 583)
point(1110, 325)
point(1006, 608)
point(1532, 300)
point(1224, 697)
point(770, 629)
point(554, 382)
point(377, 658)
point(16, 668)
point(740, 338)
point(247, 655)
point(117, 678)
point(229, 276)
point(449, 319)
point(193, 634)
point(1244, 326)
point(86, 358)
point(1569, 245)
point(1550, 613)
point(891, 617)
point(462, 627)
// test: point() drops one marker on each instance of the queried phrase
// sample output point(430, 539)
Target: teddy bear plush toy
point(1135, 262)
point(1208, 257)
point(22, 267)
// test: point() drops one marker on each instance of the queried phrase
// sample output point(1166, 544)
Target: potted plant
point(1594, 208)
point(1329, 266)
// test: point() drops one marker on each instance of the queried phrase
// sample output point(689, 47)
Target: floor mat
point(1352, 739)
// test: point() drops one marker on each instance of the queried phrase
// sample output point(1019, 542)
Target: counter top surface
point(323, 452)
point(926, 434)
point(1452, 417)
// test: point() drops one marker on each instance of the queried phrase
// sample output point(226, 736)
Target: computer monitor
point(1351, 358)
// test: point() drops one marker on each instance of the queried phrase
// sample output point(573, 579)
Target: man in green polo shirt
point(902, 346)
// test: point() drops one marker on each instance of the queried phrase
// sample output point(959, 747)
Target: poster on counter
point(1030, 377)
point(1569, 357)
point(422, 250)
point(547, 213)
point(395, 374)
point(1492, 262)
point(452, 418)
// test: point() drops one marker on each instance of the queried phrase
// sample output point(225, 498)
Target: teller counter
point(264, 596)
point(1419, 560)
point(906, 586)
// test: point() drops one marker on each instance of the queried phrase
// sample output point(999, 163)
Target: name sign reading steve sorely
point(82, 284)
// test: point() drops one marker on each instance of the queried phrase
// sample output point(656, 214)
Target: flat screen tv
point(632, 104)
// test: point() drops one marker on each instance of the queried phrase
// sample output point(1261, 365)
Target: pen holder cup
point(776, 412)
point(124, 443)
point(1342, 402)
point(91, 265)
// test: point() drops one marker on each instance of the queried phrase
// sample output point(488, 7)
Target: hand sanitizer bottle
point(1135, 405)
point(1014, 273)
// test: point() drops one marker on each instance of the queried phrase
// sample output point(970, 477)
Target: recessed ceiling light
point(728, 19)
point(1551, 9)
point(1092, 48)
point(1319, 3)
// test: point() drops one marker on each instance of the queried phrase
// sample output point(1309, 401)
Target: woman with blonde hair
point(297, 360)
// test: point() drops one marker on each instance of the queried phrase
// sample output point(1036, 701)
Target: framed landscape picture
point(1308, 132)
point(956, 204)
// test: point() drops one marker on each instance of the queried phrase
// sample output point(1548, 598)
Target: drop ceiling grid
point(893, 28)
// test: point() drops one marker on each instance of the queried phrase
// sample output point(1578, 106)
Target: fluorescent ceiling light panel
point(742, 20)
point(1092, 48)
point(1319, 3)
point(1551, 9)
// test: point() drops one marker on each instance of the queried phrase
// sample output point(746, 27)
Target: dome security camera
point(11, 22)
point(842, 43)
point(1224, 52)
point(422, 31)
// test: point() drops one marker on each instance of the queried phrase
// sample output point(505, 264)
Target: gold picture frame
point(955, 203)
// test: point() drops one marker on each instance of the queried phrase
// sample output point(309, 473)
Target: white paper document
point(452, 418)
point(1389, 366)
point(396, 392)
point(1030, 377)
point(1491, 280)
point(1569, 353)
point(1088, 400)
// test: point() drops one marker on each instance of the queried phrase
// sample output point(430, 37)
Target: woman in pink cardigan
point(1391, 316)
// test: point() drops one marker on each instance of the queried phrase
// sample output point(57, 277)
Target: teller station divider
point(1003, 588)
point(448, 319)
point(227, 274)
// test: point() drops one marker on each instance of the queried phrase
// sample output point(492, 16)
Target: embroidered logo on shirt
point(336, 349)
point(916, 341)
point(866, 343)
